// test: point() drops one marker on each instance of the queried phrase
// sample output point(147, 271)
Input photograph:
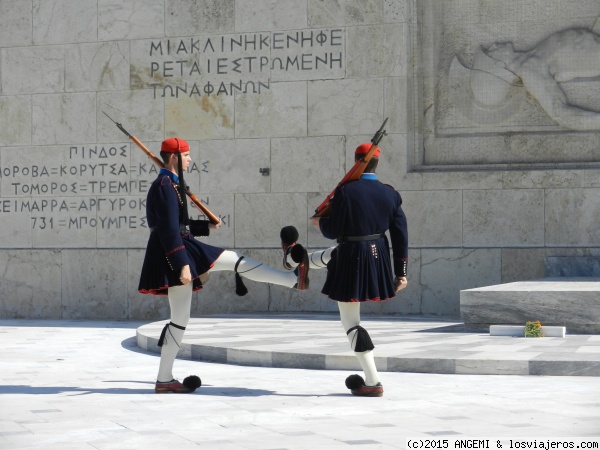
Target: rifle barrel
point(214, 219)
point(354, 173)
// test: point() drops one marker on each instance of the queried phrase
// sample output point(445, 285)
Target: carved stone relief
point(495, 86)
point(487, 84)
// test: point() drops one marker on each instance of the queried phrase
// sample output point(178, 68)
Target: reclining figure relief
point(561, 57)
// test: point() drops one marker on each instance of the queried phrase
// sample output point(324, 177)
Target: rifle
point(214, 219)
point(354, 173)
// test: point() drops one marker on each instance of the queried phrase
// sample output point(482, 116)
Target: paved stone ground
point(87, 385)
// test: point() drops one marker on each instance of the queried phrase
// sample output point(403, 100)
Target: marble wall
point(494, 181)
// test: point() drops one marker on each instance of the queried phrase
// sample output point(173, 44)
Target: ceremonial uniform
point(171, 245)
point(175, 261)
point(360, 268)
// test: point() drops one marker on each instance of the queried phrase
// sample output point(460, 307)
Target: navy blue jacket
point(170, 245)
point(361, 270)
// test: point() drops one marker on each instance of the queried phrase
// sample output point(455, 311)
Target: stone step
point(518, 330)
point(573, 303)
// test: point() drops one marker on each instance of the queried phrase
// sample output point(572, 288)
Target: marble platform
point(402, 344)
point(570, 302)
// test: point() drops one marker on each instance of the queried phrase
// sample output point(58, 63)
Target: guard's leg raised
point(319, 258)
point(257, 271)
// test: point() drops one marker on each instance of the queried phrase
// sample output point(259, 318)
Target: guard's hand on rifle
point(315, 221)
point(400, 283)
point(185, 276)
point(215, 226)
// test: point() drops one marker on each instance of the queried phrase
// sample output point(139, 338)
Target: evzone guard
point(176, 264)
point(359, 269)
point(357, 216)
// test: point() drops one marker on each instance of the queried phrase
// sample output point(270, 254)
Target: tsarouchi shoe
point(357, 386)
point(289, 236)
point(297, 253)
point(189, 385)
point(302, 271)
point(368, 391)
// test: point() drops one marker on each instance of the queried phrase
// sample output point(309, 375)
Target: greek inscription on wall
point(80, 188)
point(240, 63)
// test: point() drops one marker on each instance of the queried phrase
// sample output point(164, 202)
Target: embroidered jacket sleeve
point(399, 238)
point(332, 226)
point(167, 216)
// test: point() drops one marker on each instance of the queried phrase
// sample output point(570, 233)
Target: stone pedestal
point(570, 302)
point(519, 331)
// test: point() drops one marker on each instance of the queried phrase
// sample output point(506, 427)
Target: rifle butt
point(322, 211)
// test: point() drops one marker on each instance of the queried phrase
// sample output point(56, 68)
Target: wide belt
point(368, 237)
point(183, 230)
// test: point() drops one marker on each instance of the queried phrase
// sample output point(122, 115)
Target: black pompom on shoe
point(288, 235)
point(192, 382)
point(354, 382)
point(188, 386)
point(357, 386)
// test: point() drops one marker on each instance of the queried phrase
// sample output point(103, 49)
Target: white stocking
point(253, 270)
point(320, 258)
point(180, 302)
point(350, 317)
point(317, 259)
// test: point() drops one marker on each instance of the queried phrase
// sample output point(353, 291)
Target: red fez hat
point(174, 145)
point(363, 149)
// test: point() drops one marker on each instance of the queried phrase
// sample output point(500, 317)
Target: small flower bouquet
point(533, 329)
